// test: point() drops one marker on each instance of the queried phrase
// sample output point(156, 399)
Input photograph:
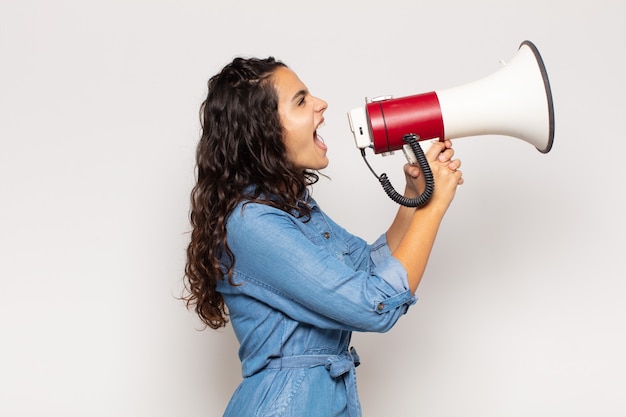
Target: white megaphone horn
point(515, 101)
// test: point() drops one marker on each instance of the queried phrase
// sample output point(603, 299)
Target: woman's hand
point(445, 171)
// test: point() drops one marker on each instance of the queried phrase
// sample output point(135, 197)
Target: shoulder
point(254, 228)
point(255, 215)
point(249, 210)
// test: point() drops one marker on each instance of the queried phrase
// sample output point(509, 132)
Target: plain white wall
point(521, 312)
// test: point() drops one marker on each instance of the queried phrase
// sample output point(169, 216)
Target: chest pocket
point(320, 233)
point(338, 247)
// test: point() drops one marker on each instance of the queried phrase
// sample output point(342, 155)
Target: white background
point(521, 312)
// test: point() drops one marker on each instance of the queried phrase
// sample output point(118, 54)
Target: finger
point(412, 170)
point(460, 180)
point(446, 155)
point(454, 165)
point(435, 150)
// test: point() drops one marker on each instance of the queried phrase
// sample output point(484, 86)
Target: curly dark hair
point(241, 156)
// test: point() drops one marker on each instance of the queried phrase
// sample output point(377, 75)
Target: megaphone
point(515, 101)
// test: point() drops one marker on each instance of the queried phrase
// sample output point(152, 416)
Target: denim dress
point(301, 289)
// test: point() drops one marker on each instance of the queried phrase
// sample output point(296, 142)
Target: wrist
point(435, 207)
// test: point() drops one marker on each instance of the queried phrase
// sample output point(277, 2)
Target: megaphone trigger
point(409, 154)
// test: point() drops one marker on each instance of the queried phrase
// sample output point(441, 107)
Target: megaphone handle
point(423, 198)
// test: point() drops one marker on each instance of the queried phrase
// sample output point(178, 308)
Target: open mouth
point(319, 141)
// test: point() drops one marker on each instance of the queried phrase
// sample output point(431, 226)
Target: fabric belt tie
point(338, 366)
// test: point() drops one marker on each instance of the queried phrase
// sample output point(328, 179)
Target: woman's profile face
point(301, 114)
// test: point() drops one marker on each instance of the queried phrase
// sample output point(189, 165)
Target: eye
point(301, 101)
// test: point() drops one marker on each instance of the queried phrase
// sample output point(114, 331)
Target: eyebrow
point(299, 94)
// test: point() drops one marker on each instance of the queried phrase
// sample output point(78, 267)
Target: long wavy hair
point(241, 156)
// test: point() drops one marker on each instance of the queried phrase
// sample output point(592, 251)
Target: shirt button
point(380, 306)
point(326, 235)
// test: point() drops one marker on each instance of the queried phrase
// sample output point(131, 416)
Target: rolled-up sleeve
point(315, 271)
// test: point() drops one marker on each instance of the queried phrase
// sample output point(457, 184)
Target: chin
point(322, 164)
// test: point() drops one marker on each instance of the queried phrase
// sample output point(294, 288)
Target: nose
point(320, 105)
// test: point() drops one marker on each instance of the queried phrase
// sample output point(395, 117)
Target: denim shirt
point(301, 289)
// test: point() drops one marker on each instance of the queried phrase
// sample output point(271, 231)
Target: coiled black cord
point(423, 198)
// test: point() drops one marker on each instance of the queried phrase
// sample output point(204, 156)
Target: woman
point(263, 255)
